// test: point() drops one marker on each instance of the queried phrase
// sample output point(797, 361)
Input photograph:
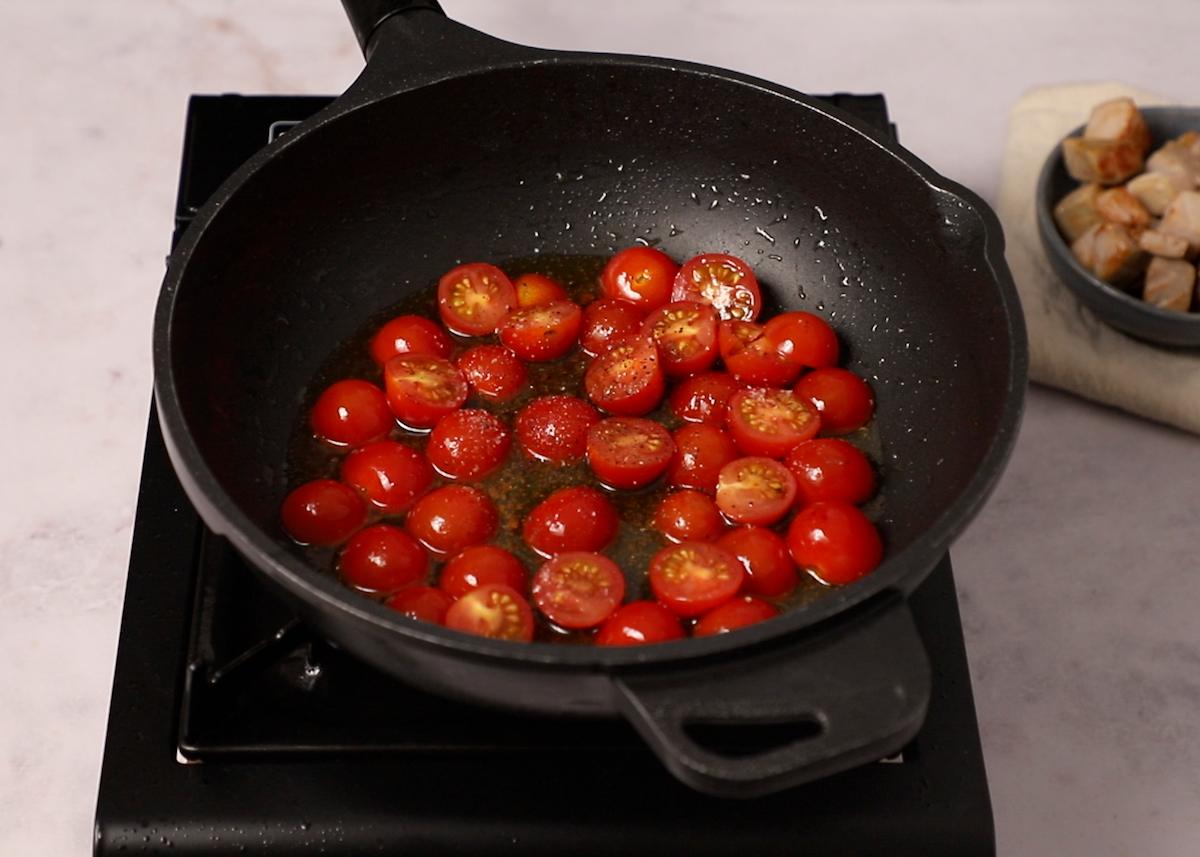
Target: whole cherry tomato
point(322, 512)
point(834, 542)
point(641, 276)
point(350, 413)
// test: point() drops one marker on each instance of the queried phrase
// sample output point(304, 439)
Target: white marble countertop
point(1079, 582)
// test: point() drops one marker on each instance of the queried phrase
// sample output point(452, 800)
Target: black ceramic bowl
point(1123, 311)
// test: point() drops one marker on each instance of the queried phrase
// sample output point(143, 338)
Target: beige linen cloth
point(1069, 347)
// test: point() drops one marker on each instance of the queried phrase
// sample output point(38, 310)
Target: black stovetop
point(234, 730)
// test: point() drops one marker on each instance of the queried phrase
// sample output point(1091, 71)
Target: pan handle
point(789, 714)
point(366, 15)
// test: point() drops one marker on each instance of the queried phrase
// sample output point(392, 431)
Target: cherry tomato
point(628, 452)
point(751, 358)
point(827, 468)
point(479, 566)
point(842, 398)
point(421, 602)
point(468, 444)
point(686, 335)
point(421, 390)
point(722, 280)
point(409, 334)
point(692, 578)
point(627, 379)
point(703, 398)
point(474, 298)
point(770, 422)
point(688, 516)
point(641, 276)
point(493, 372)
point(637, 623)
point(544, 332)
point(607, 320)
point(578, 518)
point(350, 413)
point(390, 475)
point(734, 614)
point(451, 518)
point(322, 512)
point(578, 589)
point(495, 611)
point(538, 289)
point(802, 339)
point(382, 559)
point(755, 490)
point(701, 451)
point(834, 542)
point(554, 428)
point(765, 559)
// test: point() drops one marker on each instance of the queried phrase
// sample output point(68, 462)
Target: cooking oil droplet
point(714, 204)
point(765, 234)
point(821, 213)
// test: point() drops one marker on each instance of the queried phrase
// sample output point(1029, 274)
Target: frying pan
point(454, 146)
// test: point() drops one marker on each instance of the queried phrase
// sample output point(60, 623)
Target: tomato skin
point(542, 333)
point(605, 321)
point(409, 334)
point(770, 422)
point(686, 335)
point(802, 339)
point(639, 623)
point(843, 399)
point(765, 559)
point(474, 298)
point(828, 468)
point(834, 542)
point(421, 390)
point(701, 451)
point(578, 518)
point(389, 475)
point(421, 602)
point(688, 516)
point(554, 428)
point(641, 276)
point(755, 490)
point(703, 398)
point(382, 559)
point(626, 380)
point(691, 578)
point(350, 413)
point(495, 611)
point(538, 289)
point(738, 613)
point(479, 566)
point(468, 445)
point(322, 512)
point(628, 452)
point(750, 358)
point(578, 589)
point(493, 372)
point(723, 281)
point(451, 518)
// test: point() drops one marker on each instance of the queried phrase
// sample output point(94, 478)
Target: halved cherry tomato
point(322, 512)
point(451, 518)
point(755, 490)
point(688, 516)
point(752, 359)
point(578, 589)
point(578, 518)
point(770, 422)
point(628, 452)
point(701, 451)
point(607, 320)
point(382, 559)
point(834, 542)
point(686, 335)
point(468, 444)
point(641, 276)
point(827, 468)
point(478, 566)
point(764, 557)
point(350, 413)
point(495, 611)
point(390, 475)
point(494, 372)
point(843, 399)
point(802, 339)
point(421, 390)
point(544, 332)
point(421, 602)
point(724, 281)
point(638, 623)
point(538, 289)
point(628, 378)
point(474, 298)
point(409, 334)
point(738, 613)
point(703, 398)
point(692, 578)
point(554, 428)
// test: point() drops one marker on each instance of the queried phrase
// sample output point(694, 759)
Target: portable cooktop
point(233, 729)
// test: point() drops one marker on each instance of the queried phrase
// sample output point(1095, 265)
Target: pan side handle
point(786, 715)
point(366, 15)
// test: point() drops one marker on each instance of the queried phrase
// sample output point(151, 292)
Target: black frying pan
point(455, 146)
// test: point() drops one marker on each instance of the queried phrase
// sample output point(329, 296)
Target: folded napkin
point(1069, 347)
